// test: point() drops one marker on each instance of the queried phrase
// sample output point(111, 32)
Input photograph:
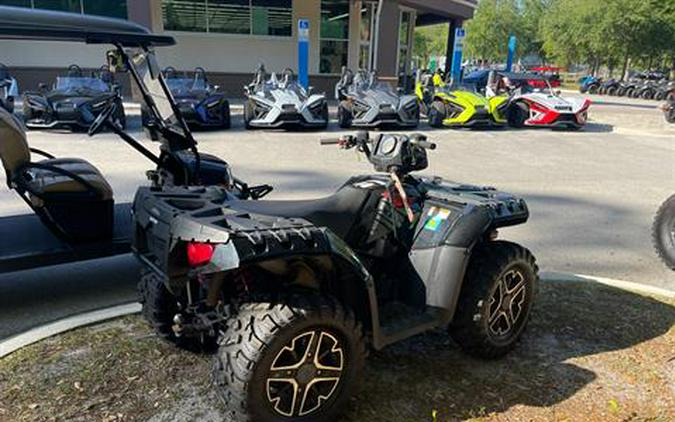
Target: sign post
point(512, 52)
point(457, 49)
point(303, 52)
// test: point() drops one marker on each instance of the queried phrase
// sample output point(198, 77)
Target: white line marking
point(620, 284)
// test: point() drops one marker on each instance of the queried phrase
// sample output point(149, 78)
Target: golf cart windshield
point(73, 83)
point(145, 65)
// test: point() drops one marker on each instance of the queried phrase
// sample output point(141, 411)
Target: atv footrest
point(399, 321)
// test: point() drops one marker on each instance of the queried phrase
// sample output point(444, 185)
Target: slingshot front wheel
point(345, 115)
point(437, 114)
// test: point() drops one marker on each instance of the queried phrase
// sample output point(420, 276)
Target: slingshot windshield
point(71, 83)
point(183, 86)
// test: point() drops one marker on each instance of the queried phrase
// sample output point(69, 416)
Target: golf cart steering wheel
point(103, 117)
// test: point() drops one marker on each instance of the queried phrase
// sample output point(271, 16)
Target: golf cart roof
point(30, 24)
point(523, 77)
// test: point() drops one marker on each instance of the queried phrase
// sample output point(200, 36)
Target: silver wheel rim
point(507, 304)
point(305, 373)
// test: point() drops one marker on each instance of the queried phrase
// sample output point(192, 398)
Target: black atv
point(609, 87)
point(293, 293)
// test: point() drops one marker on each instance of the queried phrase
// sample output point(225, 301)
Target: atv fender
point(453, 222)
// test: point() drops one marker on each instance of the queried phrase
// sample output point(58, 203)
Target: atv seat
point(69, 195)
point(339, 212)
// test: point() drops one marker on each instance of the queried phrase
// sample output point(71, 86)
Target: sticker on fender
point(435, 218)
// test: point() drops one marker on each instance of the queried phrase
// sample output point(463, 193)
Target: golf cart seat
point(69, 194)
point(339, 212)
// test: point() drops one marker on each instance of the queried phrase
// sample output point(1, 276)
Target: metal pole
point(376, 47)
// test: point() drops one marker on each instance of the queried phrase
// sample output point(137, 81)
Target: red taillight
point(199, 254)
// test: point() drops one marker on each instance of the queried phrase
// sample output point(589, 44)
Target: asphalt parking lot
point(592, 195)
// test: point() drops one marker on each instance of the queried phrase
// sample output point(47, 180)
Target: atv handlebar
point(350, 141)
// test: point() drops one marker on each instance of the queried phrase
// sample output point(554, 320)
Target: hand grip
point(330, 141)
point(426, 144)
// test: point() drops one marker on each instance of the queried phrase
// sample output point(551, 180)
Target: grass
point(590, 353)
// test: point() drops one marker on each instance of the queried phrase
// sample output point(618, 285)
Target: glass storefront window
point(61, 5)
point(229, 16)
point(334, 55)
point(247, 17)
point(184, 15)
point(334, 39)
point(109, 8)
point(335, 19)
point(17, 3)
point(404, 41)
point(272, 17)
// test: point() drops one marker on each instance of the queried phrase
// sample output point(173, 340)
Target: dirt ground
point(591, 353)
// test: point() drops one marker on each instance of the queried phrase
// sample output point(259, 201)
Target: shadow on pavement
point(570, 320)
point(598, 128)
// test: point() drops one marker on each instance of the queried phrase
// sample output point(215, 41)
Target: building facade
point(229, 38)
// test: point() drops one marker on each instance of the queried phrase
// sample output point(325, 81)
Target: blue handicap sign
point(303, 52)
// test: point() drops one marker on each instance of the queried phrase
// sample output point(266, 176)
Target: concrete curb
point(619, 284)
point(36, 334)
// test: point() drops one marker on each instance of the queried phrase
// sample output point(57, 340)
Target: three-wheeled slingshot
point(75, 217)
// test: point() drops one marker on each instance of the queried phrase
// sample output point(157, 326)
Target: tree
point(430, 41)
point(487, 34)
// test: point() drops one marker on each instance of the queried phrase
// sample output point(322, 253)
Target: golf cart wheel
point(437, 114)
point(663, 232)
point(659, 96)
point(159, 309)
point(345, 115)
point(496, 299)
point(611, 91)
point(517, 114)
point(226, 116)
point(593, 89)
point(249, 113)
point(297, 359)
